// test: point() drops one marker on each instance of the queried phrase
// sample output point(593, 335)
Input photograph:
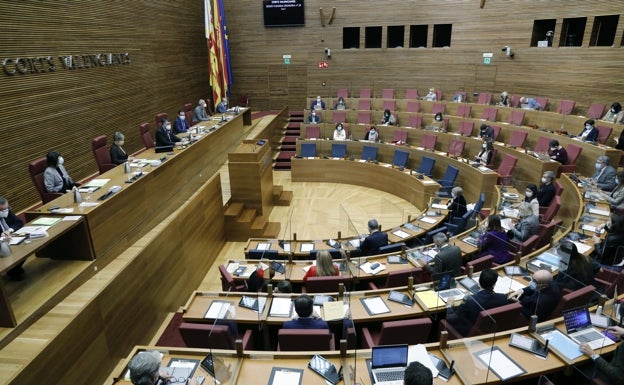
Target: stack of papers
point(596, 211)
point(428, 220)
point(401, 234)
point(281, 307)
point(35, 231)
point(366, 267)
point(45, 221)
point(506, 285)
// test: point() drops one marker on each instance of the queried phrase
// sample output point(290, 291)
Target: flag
point(219, 49)
point(227, 69)
point(213, 60)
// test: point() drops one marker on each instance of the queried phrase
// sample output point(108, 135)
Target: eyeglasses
point(173, 380)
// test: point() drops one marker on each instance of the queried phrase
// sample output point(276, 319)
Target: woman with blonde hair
point(324, 266)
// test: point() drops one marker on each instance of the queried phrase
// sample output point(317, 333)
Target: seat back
point(387, 93)
point(308, 150)
point(365, 93)
point(450, 175)
point(438, 93)
point(543, 102)
point(399, 136)
point(339, 117)
point(497, 130)
point(456, 147)
point(413, 106)
point(458, 224)
point(429, 141)
point(411, 332)
point(399, 278)
point(566, 107)
point(577, 298)
point(479, 205)
point(312, 132)
point(146, 136)
point(392, 248)
point(574, 152)
point(464, 110)
point(159, 118)
point(411, 94)
point(516, 117)
point(552, 210)
point(36, 168)
point(517, 138)
point(188, 113)
point(414, 121)
point(326, 284)
point(542, 145)
point(466, 127)
point(499, 318)
point(339, 150)
point(342, 93)
point(227, 282)
point(485, 98)
point(558, 188)
point(489, 113)
point(364, 117)
point(400, 158)
point(595, 110)
point(507, 165)
point(101, 154)
point(426, 166)
point(369, 153)
point(206, 336)
point(438, 108)
point(546, 232)
point(481, 263)
point(364, 104)
point(526, 246)
point(603, 133)
point(389, 105)
point(304, 339)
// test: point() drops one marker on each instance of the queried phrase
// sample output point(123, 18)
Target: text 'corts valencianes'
point(43, 64)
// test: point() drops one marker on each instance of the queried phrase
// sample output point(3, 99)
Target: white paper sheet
point(286, 377)
point(280, 307)
point(505, 285)
point(401, 234)
point(501, 364)
point(376, 305)
point(418, 353)
point(428, 220)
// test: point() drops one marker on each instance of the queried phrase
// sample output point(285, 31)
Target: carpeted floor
point(171, 336)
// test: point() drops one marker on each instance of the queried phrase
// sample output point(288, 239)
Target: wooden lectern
point(251, 175)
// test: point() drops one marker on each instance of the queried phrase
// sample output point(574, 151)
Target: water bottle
point(127, 168)
point(77, 196)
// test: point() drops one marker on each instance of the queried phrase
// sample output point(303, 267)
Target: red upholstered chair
point(527, 246)
point(595, 110)
point(227, 282)
point(160, 117)
point(364, 117)
point(389, 105)
point(485, 98)
point(608, 280)
point(603, 133)
point(515, 101)
point(339, 117)
point(516, 117)
point(101, 154)
point(456, 147)
point(305, 339)
point(479, 264)
point(364, 104)
point(574, 152)
point(552, 210)
point(312, 132)
point(414, 121)
point(466, 127)
point(497, 130)
point(517, 139)
point(387, 93)
point(489, 321)
point(399, 136)
point(365, 93)
point(464, 110)
point(438, 107)
point(506, 168)
point(325, 284)
point(188, 113)
point(411, 94)
point(546, 233)
point(36, 168)
point(489, 114)
point(411, 332)
point(342, 93)
point(146, 136)
point(558, 188)
point(543, 102)
point(396, 278)
point(438, 93)
point(542, 145)
point(577, 298)
point(208, 336)
point(413, 106)
point(429, 141)
point(566, 107)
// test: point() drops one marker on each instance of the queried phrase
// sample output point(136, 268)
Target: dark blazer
point(606, 251)
point(372, 243)
point(548, 298)
point(306, 323)
point(545, 194)
point(457, 207)
point(592, 136)
point(605, 178)
point(620, 143)
point(612, 371)
point(466, 314)
point(13, 221)
point(117, 154)
point(448, 259)
point(165, 137)
point(180, 125)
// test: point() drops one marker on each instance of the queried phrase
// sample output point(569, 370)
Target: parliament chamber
point(120, 269)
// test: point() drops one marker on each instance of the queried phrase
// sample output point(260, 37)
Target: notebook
point(579, 328)
point(388, 364)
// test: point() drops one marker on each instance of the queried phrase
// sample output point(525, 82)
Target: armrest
point(372, 286)
point(367, 339)
point(247, 340)
point(452, 333)
point(606, 275)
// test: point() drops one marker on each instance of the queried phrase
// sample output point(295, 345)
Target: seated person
point(388, 119)
point(505, 100)
point(431, 96)
point(463, 318)
point(458, 98)
point(494, 242)
point(614, 114)
point(199, 113)
point(448, 258)
point(531, 104)
point(616, 196)
point(372, 134)
point(324, 266)
point(304, 306)
point(313, 117)
point(164, 136)
point(485, 156)
point(317, 104)
point(457, 204)
point(590, 132)
point(546, 191)
point(117, 154)
point(539, 298)
point(619, 142)
point(557, 152)
point(608, 371)
point(340, 104)
point(283, 287)
point(180, 125)
point(604, 178)
point(55, 177)
point(438, 123)
point(530, 197)
point(528, 225)
point(486, 132)
point(10, 223)
point(223, 106)
point(339, 132)
point(606, 250)
point(581, 269)
point(257, 281)
point(417, 374)
point(371, 244)
point(145, 369)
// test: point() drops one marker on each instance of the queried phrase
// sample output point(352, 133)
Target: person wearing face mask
point(494, 242)
point(606, 250)
point(486, 132)
point(530, 197)
point(504, 99)
point(117, 154)
point(590, 132)
point(614, 114)
point(180, 125)
point(546, 191)
point(438, 123)
point(317, 104)
point(487, 152)
point(340, 104)
point(9, 223)
point(340, 132)
point(164, 136)
point(314, 117)
point(531, 103)
point(557, 152)
point(199, 113)
point(605, 174)
point(55, 177)
point(539, 298)
point(431, 96)
point(223, 106)
point(616, 196)
point(448, 258)
point(457, 204)
point(372, 134)
point(528, 225)
point(388, 119)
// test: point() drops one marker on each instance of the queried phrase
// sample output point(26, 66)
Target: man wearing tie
point(10, 223)
point(180, 125)
point(164, 136)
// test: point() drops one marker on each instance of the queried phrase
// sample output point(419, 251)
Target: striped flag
point(219, 50)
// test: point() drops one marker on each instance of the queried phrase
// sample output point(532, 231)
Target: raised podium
point(251, 175)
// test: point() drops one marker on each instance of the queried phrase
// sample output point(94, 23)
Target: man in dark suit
point(181, 125)
point(164, 136)
point(9, 223)
point(304, 305)
point(546, 191)
point(540, 297)
point(371, 244)
point(466, 314)
point(449, 258)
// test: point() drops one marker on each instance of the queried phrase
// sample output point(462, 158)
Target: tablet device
point(325, 369)
point(399, 297)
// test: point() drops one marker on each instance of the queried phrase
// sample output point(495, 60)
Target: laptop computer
point(388, 364)
point(579, 328)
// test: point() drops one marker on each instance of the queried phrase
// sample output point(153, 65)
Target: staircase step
point(272, 230)
point(282, 166)
point(259, 223)
point(293, 126)
point(284, 198)
point(277, 190)
point(247, 216)
point(234, 210)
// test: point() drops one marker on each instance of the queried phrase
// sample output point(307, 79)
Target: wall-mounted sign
point(43, 64)
point(286, 59)
point(486, 60)
point(323, 64)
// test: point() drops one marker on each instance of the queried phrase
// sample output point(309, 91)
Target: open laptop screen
point(576, 319)
point(442, 281)
point(389, 356)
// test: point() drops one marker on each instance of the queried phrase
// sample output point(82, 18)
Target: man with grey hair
point(371, 244)
point(199, 113)
point(145, 369)
point(605, 174)
point(9, 223)
point(546, 191)
point(528, 225)
point(448, 258)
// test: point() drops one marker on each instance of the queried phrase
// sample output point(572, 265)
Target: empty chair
point(159, 118)
point(517, 139)
point(516, 117)
point(479, 264)
point(339, 150)
point(497, 130)
point(466, 127)
point(609, 280)
point(365, 93)
point(456, 147)
point(464, 110)
point(411, 94)
point(369, 153)
point(515, 101)
point(506, 168)
point(36, 168)
point(312, 132)
point(485, 98)
point(389, 105)
point(595, 110)
point(479, 205)
point(305, 339)
point(438, 107)
point(101, 154)
point(577, 298)
point(489, 321)
point(364, 104)
point(227, 282)
point(428, 237)
point(188, 113)
point(429, 141)
point(364, 117)
point(392, 248)
point(308, 150)
point(342, 93)
point(527, 246)
point(543, 102)
point(400, 158)
point(603, 133)
point(448, 180)
point(413, 106)
point(399, 136)
point(395, 278)
point(387, 93)
point(414, 121)
point(261, 254)
point(566, 107)
point(339, 117)
point(209, 336)
point(489, 113)
point(146, 136)
point(574, 152)
point(458, 225)
point(328, 284)
point(438, 93)
point(546, 232)
point(426, 166)
point(542, 145)
point(412, 332)
point(552, 210)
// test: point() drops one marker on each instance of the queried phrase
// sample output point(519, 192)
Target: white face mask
point(598, 166)
point(484, 145)
point(182, 117)
point(168, 126)
point(4, 213)
point(588, 126)
point(339, 128)
point(617, 180)
point(613, 110)
point(529, 194)
point(544, 180)
point(61, 160)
